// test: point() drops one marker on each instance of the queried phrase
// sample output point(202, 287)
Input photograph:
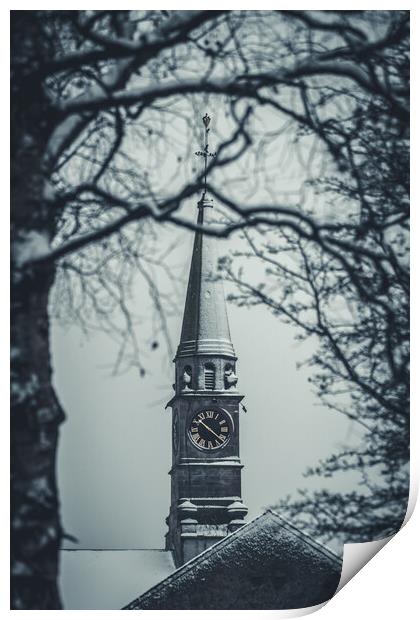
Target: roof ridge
point(188, 565)
point(226, 541)
point(303, 534)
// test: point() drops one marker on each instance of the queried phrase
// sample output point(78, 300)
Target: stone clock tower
point(206, 500)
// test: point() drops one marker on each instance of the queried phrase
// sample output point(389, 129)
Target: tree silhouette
point(103, 102)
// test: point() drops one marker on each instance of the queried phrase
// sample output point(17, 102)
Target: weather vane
point(205, 153)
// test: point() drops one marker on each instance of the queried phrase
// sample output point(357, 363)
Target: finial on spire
point(205, 153)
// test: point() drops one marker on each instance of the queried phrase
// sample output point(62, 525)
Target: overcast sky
point(115, 446)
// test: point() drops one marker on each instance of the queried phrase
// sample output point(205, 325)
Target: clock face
point(210, 429)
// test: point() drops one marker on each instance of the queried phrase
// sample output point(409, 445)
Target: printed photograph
point(209, 303)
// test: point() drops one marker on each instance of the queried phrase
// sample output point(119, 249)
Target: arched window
point(209, 377)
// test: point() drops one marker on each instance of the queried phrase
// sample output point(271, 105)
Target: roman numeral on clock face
point(209, 430)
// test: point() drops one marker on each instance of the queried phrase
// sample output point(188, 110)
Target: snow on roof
point(106, 579)
point(291, 569)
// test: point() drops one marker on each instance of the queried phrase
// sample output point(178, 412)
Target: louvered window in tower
point(209, 377)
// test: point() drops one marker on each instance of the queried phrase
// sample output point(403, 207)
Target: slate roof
point(266, 564)
point(106, 579)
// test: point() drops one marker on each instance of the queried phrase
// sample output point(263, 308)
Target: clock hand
point(211, 431)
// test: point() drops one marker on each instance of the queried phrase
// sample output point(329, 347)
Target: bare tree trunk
point(36, 412)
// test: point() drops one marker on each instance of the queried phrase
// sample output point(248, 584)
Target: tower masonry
point(206, 502)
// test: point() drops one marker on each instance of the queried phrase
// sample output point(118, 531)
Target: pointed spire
point(205, 328)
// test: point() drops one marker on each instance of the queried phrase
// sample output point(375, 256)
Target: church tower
point(206, 500)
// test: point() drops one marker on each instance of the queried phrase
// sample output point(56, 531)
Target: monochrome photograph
point(210, 328)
